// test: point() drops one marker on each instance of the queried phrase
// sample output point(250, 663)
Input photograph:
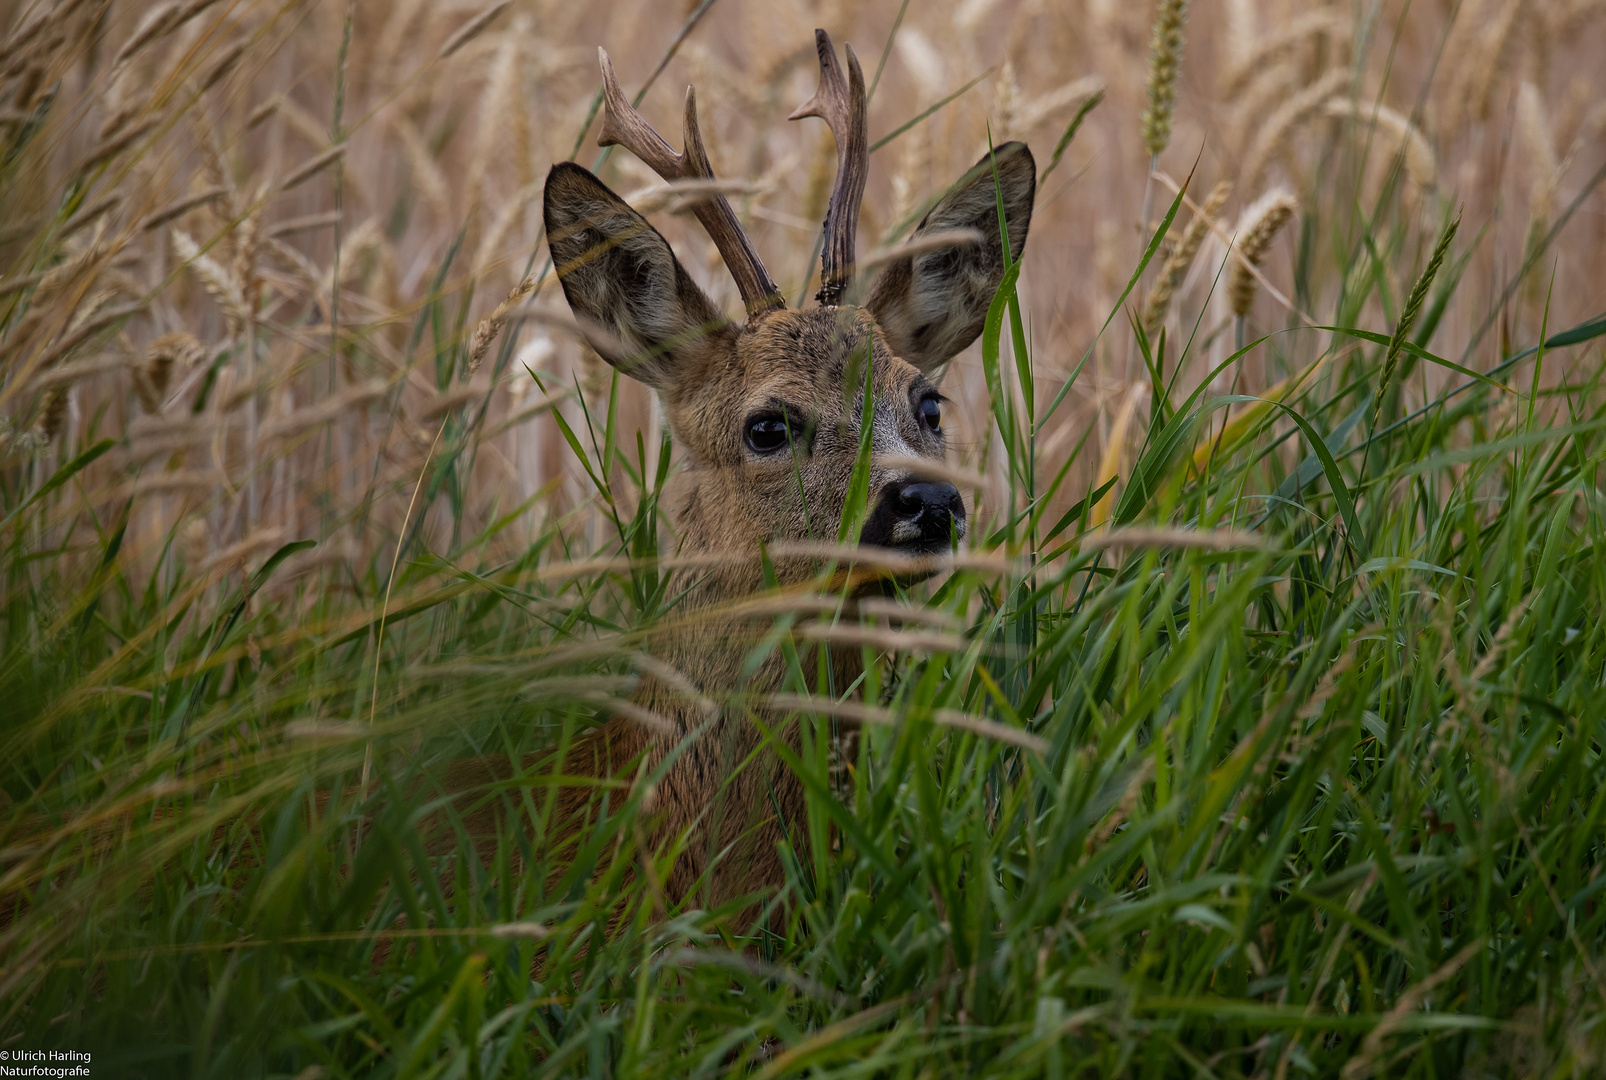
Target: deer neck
point(729, 609)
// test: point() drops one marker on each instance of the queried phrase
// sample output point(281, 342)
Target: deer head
point(768, 413)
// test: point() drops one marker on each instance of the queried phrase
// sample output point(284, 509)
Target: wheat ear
point(1413, 307)
point(490, 326)
point(1261, 223)
point(1177, 263)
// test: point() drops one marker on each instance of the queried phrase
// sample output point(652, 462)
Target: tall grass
point(1257, 734)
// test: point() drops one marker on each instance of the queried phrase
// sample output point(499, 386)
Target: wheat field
point(198, 168)
point(282, 360)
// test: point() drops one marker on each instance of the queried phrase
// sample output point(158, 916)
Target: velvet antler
point(623, 126)
point(840, 102)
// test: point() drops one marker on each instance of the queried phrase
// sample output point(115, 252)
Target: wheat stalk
point(176, 480)
point(79, 370)
point(496, 101)
point(1040, 108)
point(87, 262)
point(156, 24)
point(1533, 130)
point(237, 553)
point(309, 223)
point(155, 435)
point(91, 214)
point(151, 379)
point(472, 28)
point(109, 148)
point(683, 196)
point(86, 328)
point(511, 210)
point(1006, 103)
point(301, 420)
point(221, 64)
point(1489, 61)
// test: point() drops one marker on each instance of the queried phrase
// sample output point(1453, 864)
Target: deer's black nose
point(918, 516)
point(930, 505)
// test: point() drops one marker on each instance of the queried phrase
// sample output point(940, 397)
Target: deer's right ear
point(637, 305)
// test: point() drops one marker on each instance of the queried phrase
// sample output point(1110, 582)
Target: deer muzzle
point(918, 517)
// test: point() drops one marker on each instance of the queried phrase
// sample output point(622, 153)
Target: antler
point(623, 126)
point(840, 102)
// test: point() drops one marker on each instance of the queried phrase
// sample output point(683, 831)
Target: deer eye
point(930, 412)
point(768, 432)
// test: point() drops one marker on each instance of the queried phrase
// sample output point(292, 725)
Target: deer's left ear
point(932, 306)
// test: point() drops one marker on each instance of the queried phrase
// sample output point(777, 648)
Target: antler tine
point(841, 103)
point(623, 126)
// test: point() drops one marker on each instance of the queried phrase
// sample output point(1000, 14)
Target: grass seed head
point(109, 148)
point(427, 176)
point(1006, 103)
point(92, 213)
point(312, 167)
point(1413, 308)
point(1165, 63)
point(220, 65)
point(149, 399)
point(181, 206)
point(243, 269)
point(1535, 135)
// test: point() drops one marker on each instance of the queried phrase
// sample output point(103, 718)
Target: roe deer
point(766, 415)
